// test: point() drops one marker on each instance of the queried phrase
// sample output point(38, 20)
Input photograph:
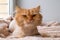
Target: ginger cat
point(25, 22)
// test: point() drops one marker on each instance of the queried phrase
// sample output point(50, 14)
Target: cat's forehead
point(28, 11)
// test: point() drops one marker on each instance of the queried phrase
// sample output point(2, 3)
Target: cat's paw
point(16, 36)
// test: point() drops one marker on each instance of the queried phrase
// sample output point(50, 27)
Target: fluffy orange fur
point(31, 16)
point(27, 20)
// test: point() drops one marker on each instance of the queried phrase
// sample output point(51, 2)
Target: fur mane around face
point(28, 17)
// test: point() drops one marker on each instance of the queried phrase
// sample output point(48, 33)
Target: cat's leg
point(18, 33)
point(11, 26)
point(16, 36)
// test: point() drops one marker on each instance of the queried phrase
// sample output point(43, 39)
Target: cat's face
point(28, 17)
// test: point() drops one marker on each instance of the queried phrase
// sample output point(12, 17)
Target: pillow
point(4, 32)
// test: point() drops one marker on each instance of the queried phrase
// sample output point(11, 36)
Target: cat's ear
point(18, 8)
point(37, 8)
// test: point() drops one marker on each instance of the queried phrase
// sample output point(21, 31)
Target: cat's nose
point(30, 19)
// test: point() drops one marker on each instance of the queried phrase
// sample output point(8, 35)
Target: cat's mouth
point(28, 23)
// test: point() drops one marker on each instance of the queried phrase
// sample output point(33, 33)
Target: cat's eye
point(24, 15)
point(33, 15)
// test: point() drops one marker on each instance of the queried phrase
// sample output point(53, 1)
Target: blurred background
point(50, 9)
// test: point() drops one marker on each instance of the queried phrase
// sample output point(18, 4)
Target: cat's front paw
point(16, 36)
point(19, 36)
